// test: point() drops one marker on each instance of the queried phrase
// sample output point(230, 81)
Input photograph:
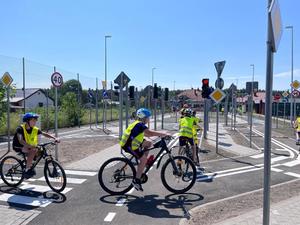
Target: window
point(41, 104)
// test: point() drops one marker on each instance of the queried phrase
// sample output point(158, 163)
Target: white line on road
point(276, 170)
point(293, 174)
point(40, 188)
point(80, 173)
point(110, 216)
point(69, 180)
point(257, 156)
point(25, 200)
point(279, 158)
point(292, 163)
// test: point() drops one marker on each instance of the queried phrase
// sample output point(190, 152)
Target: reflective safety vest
point(195, 126)
point(298, 122)
point(186, 127)
point(137, 141)
point(31, 139)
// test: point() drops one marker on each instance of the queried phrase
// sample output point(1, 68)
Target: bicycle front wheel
point(115, 176)
point(12, 171)
point(55, 175)
point(178, 174)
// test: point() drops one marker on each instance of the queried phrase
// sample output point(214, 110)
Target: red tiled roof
point(193, 94)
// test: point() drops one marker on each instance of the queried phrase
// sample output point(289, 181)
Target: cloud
point(288, 73)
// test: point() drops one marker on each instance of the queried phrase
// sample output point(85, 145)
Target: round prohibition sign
point(57, 79)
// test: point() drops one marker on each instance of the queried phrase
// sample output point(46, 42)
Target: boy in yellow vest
point(186, 125)
point(297, 130)
point(26, 140)
point(134, 143)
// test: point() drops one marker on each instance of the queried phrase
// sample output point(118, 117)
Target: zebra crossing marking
point(69, 180)
point(80, 173)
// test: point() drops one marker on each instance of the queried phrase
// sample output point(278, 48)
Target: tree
point(3, 105)
point(71, 108)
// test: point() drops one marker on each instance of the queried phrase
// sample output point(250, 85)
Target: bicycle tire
point(20, 171)
point(191, 182)
point(115, 175)
point(52, 177)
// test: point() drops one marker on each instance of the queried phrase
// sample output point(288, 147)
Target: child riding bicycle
point(26, 140)
point(134, 143)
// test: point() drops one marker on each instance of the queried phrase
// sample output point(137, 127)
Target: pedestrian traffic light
point(205, 88)
point(131, 92)
point(155, 91)
point(166, 97)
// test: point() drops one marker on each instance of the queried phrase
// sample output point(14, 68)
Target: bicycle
point(188, 151)
point(12, 169)
point(178, 173)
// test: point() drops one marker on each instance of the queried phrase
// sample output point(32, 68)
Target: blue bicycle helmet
point(143, 113)
point(29, 115)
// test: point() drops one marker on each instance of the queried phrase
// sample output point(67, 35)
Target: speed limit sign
point(57, 79)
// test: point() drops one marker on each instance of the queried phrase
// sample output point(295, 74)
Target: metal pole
point(205, 118)
point(155, 106)
point(47, 110)
point(277, 114)
point(111, 100)
point(251, 117)
point(127, 105)
point(226, 110)
point(234, 124)
point(24, 88)
point(284, 112)
point(96, 102)
point(121, 108)
point(105, 85)
point(292, 71)
point(268, 125)
point(231, 124)
point(78, 100)
point(8, 117)
point(56, 120)
point(162, 112)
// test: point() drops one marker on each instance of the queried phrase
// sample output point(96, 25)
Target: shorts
point(183, 140)
point(138, 153)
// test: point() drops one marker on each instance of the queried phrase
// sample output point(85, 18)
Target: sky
point(181, 39)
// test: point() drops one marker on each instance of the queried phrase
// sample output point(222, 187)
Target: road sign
point(221, 83)
point(295, 84)
point(277, 96)
point(217, 95)
point(285, 94)
point(295, 93)
point(126, 79)
point(275, 16)
point(6, 79)
point(57, 79)
point(219, 67)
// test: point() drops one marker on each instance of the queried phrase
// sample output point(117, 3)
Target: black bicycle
point(12, 169)
point(178, 173)
point(188, 151)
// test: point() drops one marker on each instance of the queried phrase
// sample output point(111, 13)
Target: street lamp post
point(105, 85)
point(292, 73)
point(251, 105)
point(153, 75)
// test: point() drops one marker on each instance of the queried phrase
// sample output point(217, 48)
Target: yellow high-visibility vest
point(137, 141)
point(31, 139)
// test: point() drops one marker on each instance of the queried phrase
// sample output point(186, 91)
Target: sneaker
point(137, 184)
point(29, 173)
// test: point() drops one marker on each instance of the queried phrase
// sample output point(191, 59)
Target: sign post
point(218, 94)
point(57, 81)
point(7, 80)
point(274, 35)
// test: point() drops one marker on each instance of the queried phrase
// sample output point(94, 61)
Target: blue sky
point(182, 39)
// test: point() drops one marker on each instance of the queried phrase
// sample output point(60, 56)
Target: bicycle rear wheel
point(115, 176)
point(12, 171)
point(178, 174)
point(55, 175)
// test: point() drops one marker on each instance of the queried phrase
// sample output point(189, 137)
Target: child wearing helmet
point(133, 142)
point(186, 124)
point(26, 140)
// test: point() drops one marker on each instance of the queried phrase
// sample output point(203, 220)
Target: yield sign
point(217, 95)
point(219, 67)
point(295, 84)
point(6, 79)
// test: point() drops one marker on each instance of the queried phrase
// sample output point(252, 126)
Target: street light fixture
point(292, 72)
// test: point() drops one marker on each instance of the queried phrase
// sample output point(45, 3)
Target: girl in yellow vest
point(133, 142)
point(297, 129)
point(26, 140)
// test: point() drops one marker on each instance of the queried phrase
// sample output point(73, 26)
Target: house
point(34, 97)
point(192, 97)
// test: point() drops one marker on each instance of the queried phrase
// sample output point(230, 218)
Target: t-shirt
point(19, 130)
point(138, 128)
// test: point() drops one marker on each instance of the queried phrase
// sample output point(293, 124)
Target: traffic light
point(205, 88)
point(166, 97)
point(131, 92)
point(155, 91)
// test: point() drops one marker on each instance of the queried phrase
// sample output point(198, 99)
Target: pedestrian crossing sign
point(217, 95)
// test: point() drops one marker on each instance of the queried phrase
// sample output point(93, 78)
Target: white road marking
point(69, 180)
point(110, 216)
point(80, 173)
point(129, 192)
point(121, 202)
point(40, 188)
point(292, 163)
point(293, 174)
point(276, 170)
point(25, 200)
point(279, 158)
point(257, 156)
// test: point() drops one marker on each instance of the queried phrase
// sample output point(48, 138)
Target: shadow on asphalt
point(155, 207)
point(15, 192)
